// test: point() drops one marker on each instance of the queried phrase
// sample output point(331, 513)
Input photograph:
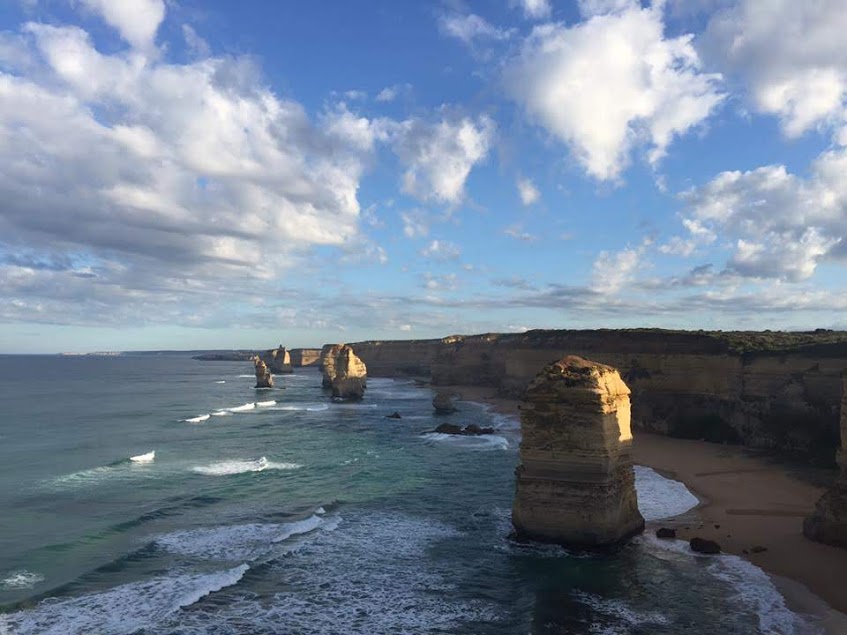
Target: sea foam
point(198, 419)
point(660, 497)
point(144, 458)
point(243, 466)
point(22, 579)
point(130, 608)
point(469, 442)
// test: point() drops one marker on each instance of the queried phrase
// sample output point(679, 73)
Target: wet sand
point(746, 503)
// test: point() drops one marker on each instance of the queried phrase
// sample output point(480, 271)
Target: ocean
point(279, 511)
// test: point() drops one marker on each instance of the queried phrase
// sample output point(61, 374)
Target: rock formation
point(350, 376)
point(472, 430)
point(305, 356)
point(329, 355)
point(828, 523)
point(278, 360)
point(443, 403)
point(263, 374)
point(768, 390)
point(575, 485)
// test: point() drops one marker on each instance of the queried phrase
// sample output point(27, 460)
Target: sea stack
point(263, 374)
point(329, 354)
point(278, 360)
point(350, 376)
point(575, 485)
point(828, 523)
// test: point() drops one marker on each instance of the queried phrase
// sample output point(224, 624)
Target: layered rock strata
point(767, 390)
point(350, 378)
point(305, 356)
point(329, 355)
point(278, 360)
point(828, 523)
point(575, 485)
point(263, 373)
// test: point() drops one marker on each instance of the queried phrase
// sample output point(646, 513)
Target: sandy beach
point(751, 506)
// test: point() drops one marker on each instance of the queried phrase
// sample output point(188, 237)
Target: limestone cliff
point(575, 484)
point(278, 360)
point(263, 374)
point(350, 376)
point(305, 356)
point(828, 523)
point(768, 390)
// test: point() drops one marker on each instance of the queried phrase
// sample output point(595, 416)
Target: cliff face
point(687, 384)
point(329, 356)
point(305, 356)
point(828, 523)
point(575, 485)
point(345, 373)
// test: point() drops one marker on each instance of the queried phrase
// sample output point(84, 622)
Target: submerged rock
point(263, 374)
point(394, 415)
point(350, 377)
point(665, 532)
point(828, 523)
point(575, 485)
point(471, 430)
point(704, 545)
point(443, 403)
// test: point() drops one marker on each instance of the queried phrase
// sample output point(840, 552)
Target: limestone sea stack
point(828, 523)
point(263, 373)
point(278, 360)
point(329, 354)
point(350, 376)
point(575, 485)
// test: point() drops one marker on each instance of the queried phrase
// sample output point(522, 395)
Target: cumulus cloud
point(415, 223)
point(137, 21)
point(162, 179)
point(528, 192)
point(441, 250)
point(390, 93)
point(613, 271)
point(779, 224)
point(791, 55)
point(612, 83)
point(438, 156)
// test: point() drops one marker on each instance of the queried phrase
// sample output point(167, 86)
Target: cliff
point(305, 356)
point(278, 360)
point(575, 485)
point(828, 523)
point(769, 390)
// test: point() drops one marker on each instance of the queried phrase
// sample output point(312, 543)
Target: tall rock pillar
point(828, 523)
point(575, 485)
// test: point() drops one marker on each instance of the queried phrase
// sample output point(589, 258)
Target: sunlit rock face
point(575, 485)
point(329, 355)
point(305, 356)
point(350, 376)
point(263, 374)
point(828, 523)
point(278, 360)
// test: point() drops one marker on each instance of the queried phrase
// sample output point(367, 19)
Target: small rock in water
point(448, 428)
point(665, 532)
point(758, 549)
point(394, 415)
point(474, 429)
point(703, 545)
point(443, 403)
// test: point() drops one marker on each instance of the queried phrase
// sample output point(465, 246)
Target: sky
point(186, 174)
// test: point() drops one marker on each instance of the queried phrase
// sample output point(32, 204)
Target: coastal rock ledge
point(828, 523)
point(575, 485)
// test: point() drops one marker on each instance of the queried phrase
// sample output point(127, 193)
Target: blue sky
point(186, 174)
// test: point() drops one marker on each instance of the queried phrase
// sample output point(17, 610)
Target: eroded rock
point(350, 376)
point(329, 355)
point(263, 374)
point(575, 485)
point(443, 403)
point(278, 360)
point(704, 545)
point(828, 523)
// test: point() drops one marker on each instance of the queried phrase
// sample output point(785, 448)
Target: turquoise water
point(283, 512)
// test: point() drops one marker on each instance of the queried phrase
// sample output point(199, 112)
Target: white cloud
point(197, 46)
point(470, 28)
point(533, 9)
point(528, 192)
point(441, 250)
point(610, 84)
point(164, 179)
point(612, 272)
point(439, 156)
point(136, 20)
point(390, 93)
point(415, 223)
point(517, 232)
point(779, 225)
point(790, 54)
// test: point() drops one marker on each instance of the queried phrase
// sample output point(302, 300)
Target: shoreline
point(763, 508)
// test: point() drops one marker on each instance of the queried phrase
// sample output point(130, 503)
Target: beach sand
point(745, 502)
